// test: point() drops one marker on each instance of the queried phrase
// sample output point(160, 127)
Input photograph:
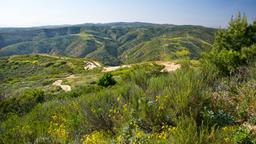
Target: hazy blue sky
point(212, 13)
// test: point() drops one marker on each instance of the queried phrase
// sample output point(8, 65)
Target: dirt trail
point(168, 66)
point(66, 88)
point(113, 68)
point(89, 65)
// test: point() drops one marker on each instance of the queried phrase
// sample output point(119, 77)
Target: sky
point(210, 13)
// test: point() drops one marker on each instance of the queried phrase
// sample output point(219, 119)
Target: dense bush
point(23, 103)
point(226, 60)
point(106, 80)
point(218, 118)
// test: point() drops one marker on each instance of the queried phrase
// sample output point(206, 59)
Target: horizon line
point(101, 23)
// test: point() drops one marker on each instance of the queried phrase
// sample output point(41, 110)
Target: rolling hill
point(112, 44)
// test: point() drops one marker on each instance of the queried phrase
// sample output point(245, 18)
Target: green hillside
point(19, 73)
point(112, 44)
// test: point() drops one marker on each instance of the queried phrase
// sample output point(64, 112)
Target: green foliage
point(188, 132)
point(236, 36)
point(252, 120)
point(226, 60)
point(242, 136)
point(218, 118)
point(233, 46)
point(23, 103)
point(248, 53)
point(106, 80)
point(182, 53)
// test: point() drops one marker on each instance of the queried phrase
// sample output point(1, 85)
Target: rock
point(88, 65)
point(169, 66)
point(57, 83)
point(66, 88)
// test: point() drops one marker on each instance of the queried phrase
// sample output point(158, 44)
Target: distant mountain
point(112, 43)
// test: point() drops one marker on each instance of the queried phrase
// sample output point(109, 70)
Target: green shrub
point(188, 132)
point(248, 53)
point(242, 136)
point(23, 103)
point(252, 120)
point(226, 60)
point(219, 118)
point(234, 135)
point(106, 80)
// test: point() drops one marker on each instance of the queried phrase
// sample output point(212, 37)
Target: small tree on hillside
point(106, 80)
point(236, 36)
point(233, 46)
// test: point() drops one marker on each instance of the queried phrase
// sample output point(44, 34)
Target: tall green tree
point(237, 35)
point(233, 46)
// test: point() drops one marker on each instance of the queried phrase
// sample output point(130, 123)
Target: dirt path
point(113, 68)
point(168, 66)
point(66, 88)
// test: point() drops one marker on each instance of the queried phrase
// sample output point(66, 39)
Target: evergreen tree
point(233, 46)
point(236, 36)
